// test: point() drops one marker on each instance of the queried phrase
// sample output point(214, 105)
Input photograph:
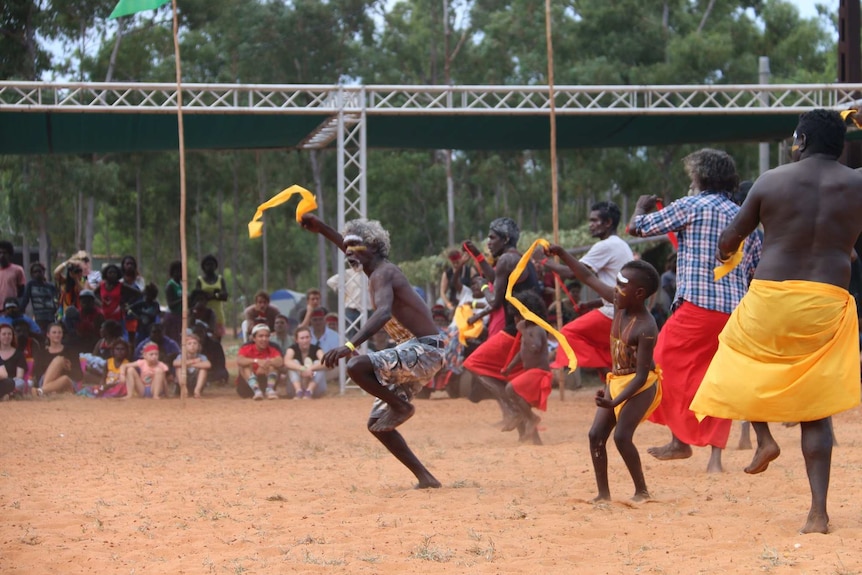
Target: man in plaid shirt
point(702, 306)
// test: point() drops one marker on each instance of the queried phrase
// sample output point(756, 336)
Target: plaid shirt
point(699, 221)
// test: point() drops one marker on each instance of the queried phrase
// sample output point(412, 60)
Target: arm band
point(480, 258)
point(349, 345)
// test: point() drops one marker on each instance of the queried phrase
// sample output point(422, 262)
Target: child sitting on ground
point(197, 365)
point(146, 376)
point(633, 389)
point(531, 387)
point(111, 384)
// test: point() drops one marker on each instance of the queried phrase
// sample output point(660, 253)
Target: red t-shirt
point(251, 351)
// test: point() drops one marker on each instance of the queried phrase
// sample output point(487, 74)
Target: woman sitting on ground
point(12, 363)
point(56, 367)
point(304, 363)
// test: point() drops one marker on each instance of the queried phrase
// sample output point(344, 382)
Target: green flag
point(126, 7)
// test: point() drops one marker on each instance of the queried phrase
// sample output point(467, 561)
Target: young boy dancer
point(633, 388)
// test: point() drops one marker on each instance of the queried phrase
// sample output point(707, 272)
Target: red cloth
point(495, 354)
point(590, 338)
point(685, 346)
point(496, 321)
point(534, 385)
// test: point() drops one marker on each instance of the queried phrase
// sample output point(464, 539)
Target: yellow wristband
point(486, 286)
point(349, 345)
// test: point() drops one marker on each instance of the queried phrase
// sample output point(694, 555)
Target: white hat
point(259, 327)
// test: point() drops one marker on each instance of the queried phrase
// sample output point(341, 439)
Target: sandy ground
point(229, 486)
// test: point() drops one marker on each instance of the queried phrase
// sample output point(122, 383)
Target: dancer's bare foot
point(531, 428)
point(393, 418)
point(673, 450)
point(428, 483)
point(762, 457)
point(816, 523)
point(601, 497)
point(511, 422)
point(641, 496)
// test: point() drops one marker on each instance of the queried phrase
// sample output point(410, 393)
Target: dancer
point(789, 351)
point(391, 375)
point(689, 338)
point(633, 389)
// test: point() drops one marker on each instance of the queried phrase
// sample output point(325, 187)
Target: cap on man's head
point(87, 293)
point(259, 328)
point(318, 312)
point(10, 303)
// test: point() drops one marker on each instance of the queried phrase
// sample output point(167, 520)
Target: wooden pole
point(554, 190)
point(183, 253)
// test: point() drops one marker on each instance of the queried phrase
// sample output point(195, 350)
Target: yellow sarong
point(789, 352)
point(617, 383)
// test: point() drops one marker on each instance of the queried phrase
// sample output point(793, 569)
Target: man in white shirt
point(353, 282)
point(589, 334)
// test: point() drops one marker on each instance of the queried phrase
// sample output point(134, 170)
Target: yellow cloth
point(789, 352)
point(851, 112)
point(727, 267)
point(530, 316)
point(306, 204)
point(617, 383)
point(466, 331)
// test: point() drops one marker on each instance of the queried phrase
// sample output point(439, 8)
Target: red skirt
point(494, 355)
point(534, 385)
point(685, 346)
point(590, 338)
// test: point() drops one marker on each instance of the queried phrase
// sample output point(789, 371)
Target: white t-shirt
point(606, 258)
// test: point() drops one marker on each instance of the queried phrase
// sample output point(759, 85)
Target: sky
point(807, 9)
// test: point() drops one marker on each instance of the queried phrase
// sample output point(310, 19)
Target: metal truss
point(352, 203)
point(395, 99)
point(348, 107)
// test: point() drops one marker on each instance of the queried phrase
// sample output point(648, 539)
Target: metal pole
point(763, 69)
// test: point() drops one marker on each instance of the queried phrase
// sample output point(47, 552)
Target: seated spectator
point(145, 311)
point(71, 286)
point(212, 349)
point(168, 348)
point(28, 345)
point(173, 319)
point(57, 367)
point(42, 295)
point(146, 376)
point(12, 312)
point(199, 312)
point(312, 302)
point(95, 362)
point(113, 383)
point(305, 370)
point(12, 364)
point(87, 322)
point(197, 366)
point(260, 312)
point(255, 360)
point(321, 335)
point(331, 320)
point(281, 336)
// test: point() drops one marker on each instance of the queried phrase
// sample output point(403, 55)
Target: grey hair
point(372, 233)
point(507, 228)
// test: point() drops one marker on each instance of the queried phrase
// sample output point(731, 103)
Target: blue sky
point(807, 9)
